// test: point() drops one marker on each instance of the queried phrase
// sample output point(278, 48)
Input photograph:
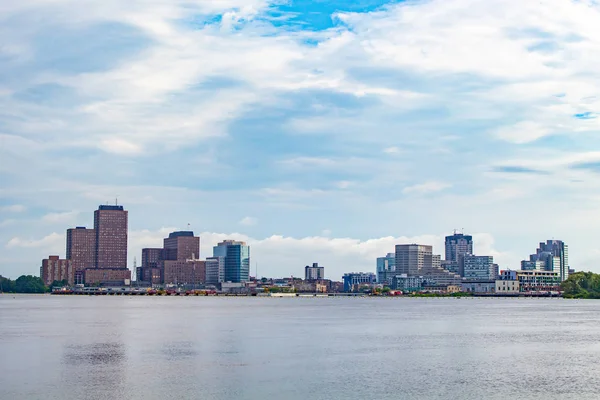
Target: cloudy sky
point(318, 130)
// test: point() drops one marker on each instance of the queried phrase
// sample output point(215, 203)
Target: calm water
point(252, 348)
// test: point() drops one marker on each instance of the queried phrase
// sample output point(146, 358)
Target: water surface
point(300, 348)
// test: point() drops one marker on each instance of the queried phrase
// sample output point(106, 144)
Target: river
point(80, 347)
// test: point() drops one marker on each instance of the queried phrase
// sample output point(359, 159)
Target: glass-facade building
point(236, 260)
point(386, 268)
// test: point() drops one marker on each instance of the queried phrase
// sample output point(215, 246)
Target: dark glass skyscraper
point(110, 224)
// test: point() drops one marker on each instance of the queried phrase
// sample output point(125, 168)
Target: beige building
point(507, 287)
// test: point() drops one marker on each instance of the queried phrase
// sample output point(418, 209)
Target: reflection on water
point(178, 350)
point(98, 369)
point(221, 348)
point(94, 354)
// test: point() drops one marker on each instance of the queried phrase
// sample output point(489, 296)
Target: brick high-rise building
point(110, 225)
point(181, 245)
point(81, 248)
point(151, 257)
point(55, 269)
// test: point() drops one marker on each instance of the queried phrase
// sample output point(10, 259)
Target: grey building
point(555, 255)
point(215, 270)
point(236, 260)
point(411, 258)
point(314, 273)
point(408, 283)
point(419, 260)
point(458, 244)
point(477, 268)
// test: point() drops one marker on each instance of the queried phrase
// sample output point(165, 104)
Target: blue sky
point(318, 131)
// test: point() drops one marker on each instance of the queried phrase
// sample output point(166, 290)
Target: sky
point(318, 131)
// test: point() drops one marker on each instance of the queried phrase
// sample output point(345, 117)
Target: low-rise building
point(149, 275)
point(353, 279)
point(453, 289)
point(407, 283)
point(528, 281)
point(107, 276)
point(539, 281)
point(479, 286)
point(504, 286)
point(184, 272)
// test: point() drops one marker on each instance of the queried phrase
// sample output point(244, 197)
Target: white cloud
point(523, 132)
point(120, 146)
point(15, 208)
point(248, 221)
point(391, 150)
point(60, 217)
point(53, 240)
point(427, 187)
point(343, 184)
point(308, 162)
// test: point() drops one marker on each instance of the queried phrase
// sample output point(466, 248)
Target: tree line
point(27, 284)
point(582, 285)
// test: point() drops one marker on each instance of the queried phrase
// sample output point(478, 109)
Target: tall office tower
point(419, 260)
point(411, 258)
point(386, 268)
point(215, 270)
point(81, 247)
point(181, 245)
point(458, 244)
point(110, 225)
point(237, 260)
point(314, 273)
point(554, 248)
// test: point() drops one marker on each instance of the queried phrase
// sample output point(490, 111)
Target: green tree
point(30, 284)
point(64, 282)
point(582, 285)
point(7, 285)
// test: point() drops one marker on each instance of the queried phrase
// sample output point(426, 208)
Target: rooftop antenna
point(188, 226)
point(116, 201)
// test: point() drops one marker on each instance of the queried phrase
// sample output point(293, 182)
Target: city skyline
point(301, 124)
point(230, 260)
